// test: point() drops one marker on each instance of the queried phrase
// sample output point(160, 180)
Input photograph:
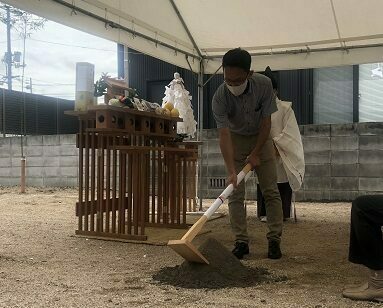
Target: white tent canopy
point(195, 34)
point(285, 34)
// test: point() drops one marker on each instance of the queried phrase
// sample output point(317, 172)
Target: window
point(333, 100)
point(371, 92)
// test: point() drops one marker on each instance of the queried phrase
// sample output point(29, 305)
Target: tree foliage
point(22, 22)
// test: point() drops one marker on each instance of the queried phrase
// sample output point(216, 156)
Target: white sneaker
point(366, 292)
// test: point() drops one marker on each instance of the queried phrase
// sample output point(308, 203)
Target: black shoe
point(274, 250)
point(240, 249)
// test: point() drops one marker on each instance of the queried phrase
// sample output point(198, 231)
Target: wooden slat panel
point(145, 180)
point(114, 184)
point(160, 188)
point(123, 190)
point(120, 203)
point(143, 193)
point(165, 208)
point(92, 181)
point(80, 175)
point(153, 178)
point(178, 189)
point(189, 185)
point(136, 193)
point(100, 215)
point(86, 217)
point(107, 184)
point(129, 201)
point(172, 187)
point(193, 194)
point(87, 209)
point(184, 195)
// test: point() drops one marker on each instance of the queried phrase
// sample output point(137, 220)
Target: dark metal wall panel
point(143, 70)
point(13, 107)
point(33, 114)
point(191, 84)
point(47, 115)
point(296, 86)
point(209, 90)
point(66, 124)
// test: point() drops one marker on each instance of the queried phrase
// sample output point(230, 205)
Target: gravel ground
point(42, 263)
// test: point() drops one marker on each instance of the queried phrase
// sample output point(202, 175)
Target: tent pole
point(211, 77)
point(126, 64)
point(186, 28)
point(200, 130)
point(302, 51)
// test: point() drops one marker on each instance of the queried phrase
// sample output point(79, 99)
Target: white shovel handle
point(244, 174)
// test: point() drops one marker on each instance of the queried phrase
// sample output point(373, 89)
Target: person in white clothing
point(289, 153)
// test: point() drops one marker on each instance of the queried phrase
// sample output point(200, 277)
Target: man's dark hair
point(237, 58)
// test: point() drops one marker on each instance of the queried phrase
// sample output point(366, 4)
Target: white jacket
point(287, 139)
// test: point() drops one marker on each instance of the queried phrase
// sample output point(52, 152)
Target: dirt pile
point(224, 271)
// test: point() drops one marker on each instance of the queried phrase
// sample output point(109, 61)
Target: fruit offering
point(174, 113)
point(169, 106)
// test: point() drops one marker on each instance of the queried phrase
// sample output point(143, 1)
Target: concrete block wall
point(343, 161)
point(51, 160)
point(214, 171)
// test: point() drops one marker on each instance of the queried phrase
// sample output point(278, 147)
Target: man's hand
point(254, 160)
point(232, 179)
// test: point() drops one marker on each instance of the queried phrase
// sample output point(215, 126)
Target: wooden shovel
point(184, 247)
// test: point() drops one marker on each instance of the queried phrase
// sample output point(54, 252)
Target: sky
point(51, 55)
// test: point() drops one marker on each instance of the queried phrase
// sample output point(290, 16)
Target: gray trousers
point(267, 177)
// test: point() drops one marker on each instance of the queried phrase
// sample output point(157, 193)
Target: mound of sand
point(224, 270)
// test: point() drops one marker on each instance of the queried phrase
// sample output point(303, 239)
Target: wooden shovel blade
point(187, 250)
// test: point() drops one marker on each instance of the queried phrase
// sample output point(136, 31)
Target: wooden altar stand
point(131, 173)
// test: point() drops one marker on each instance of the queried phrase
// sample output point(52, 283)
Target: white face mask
point(237, 90)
